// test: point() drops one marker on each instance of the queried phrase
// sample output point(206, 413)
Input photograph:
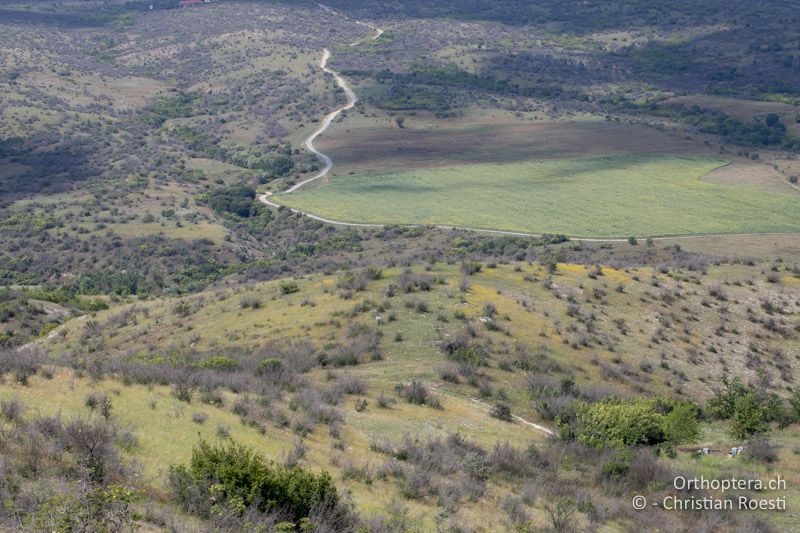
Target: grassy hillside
point(352, 346)
point(166, 429)
point(586, 321)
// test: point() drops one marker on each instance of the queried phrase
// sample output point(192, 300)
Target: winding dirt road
point(352, 98)
point(329, 118)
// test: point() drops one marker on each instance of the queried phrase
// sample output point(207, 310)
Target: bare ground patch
point(750, 174)
point(743, 246)
point(373, 147)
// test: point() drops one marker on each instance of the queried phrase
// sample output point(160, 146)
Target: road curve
point(326, 122)
point(330, 117)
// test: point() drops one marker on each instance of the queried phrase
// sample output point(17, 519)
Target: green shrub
point(373, 273)
point(476, 466)
point(91, 305)
point(615, 468)
point(617, 423)
point(163, 109)
point(47, 328)
point(722, 405)
point(110, 508)
point(239, 200)
point(182, 309)
point(274, 166)
point(289, 287)
point(502, 412)
point(680, 425)
point(250, 301)
point(270, 365)
point(99, 401)
point(462, 348)
point(238, 475)
point(750, 416)
point(469, 268)
point(751, 410)
point(794, 405)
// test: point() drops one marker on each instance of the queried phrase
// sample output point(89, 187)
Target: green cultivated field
point(642, 195)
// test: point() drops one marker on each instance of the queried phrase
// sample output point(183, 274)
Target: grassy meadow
point(642, 195)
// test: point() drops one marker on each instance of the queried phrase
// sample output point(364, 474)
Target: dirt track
point(330, 117)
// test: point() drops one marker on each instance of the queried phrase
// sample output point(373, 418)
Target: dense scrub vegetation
point(226, 482)
point(699, 62)
point(66, 474)
point(767, 132)
point(238, 200)
point(616, 423)
point(624, 416)
point(387, 379)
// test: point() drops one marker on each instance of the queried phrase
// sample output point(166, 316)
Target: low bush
point(469, 268)
point(461, 347)
point(418, 394)
point(99, 401)
point(240, 477)
point(760, 450)
point(250, 301)
point(12, 410)
point(351, 385)
point(751, 410)
point(289, 287)
point(502, 412)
